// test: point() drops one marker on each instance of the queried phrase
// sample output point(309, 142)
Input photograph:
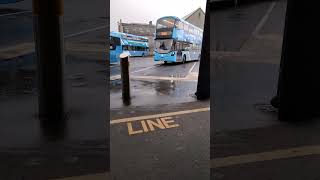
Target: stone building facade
point(139, 29)
point(196, 18)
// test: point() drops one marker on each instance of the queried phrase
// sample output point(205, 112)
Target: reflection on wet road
point(156, 83)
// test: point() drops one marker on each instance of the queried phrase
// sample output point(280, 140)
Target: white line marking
point(18, 50)
point(265, 156)
point(191, 69)
point(143, 69)
point(264, 19)
point(116, 77)
point(124, 120)
point(7, 53)
point(104, 176)
point(10, 14)
point(86, 31)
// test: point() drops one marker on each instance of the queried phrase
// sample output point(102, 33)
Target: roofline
point(181, 20)
point(121, 33)
point(190, 14)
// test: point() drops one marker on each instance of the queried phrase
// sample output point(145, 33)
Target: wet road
point(247, 140)
point(31, 149)
point(232, 27)
point(169, 141)
point(155, 83)
point(164, 132)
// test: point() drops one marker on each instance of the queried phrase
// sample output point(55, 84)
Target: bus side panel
point(165, 57)
point(139, 53)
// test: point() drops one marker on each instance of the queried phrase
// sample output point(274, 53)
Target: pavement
point(168, 141)
point(77, 148)
point(247, 140)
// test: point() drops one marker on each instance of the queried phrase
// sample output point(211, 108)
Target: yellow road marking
point(149, 125)
point(125, 120)
point(265, 156)
point(101, 176)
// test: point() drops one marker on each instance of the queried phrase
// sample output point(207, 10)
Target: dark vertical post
point(275, 101)
point(203, 88)
point(299, 87)
point(48, 34)
point(124, 61)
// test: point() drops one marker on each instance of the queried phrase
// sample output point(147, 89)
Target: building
point(139, 29)
point(196, 18)
point(143, 29)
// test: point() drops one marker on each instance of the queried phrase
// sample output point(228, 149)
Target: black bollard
point(124, 61)
point(203, 88)
point(48, 35)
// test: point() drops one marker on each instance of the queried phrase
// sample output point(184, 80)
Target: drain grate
point(264, 107)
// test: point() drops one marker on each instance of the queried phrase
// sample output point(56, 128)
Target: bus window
point(186, 27)
point(179, 25)
point(186, 46)
point(165, 23)
point(114, 42)
point(125, 48)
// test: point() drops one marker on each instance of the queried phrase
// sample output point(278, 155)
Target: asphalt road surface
point(247, 140)
point(31, 149)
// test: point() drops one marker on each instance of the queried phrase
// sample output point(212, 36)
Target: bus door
point(178, 49)
point(115, 49)
point(186, 50)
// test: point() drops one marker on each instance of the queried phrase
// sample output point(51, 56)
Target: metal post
point(203, 88)
point(275, 101)
point(48, 34)
point(124, 61)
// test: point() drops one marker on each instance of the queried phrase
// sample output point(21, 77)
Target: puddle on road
point(154, 92)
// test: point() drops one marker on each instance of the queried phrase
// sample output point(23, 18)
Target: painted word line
point(151, 125)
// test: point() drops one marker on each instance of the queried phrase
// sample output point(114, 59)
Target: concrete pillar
point(299, 78)
point(49, 44)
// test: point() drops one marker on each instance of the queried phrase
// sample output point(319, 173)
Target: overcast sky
point(143, 11)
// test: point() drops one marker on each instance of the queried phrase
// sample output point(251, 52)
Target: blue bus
point(177, 40)
point(134, 45)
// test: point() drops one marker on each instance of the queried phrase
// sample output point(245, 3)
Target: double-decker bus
point(177, 40)
point(134, 45)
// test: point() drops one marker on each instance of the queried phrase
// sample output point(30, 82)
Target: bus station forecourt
point(164, 127)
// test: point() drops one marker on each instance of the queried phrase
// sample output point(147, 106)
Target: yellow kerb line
point(101, 176)
point(125, 120)
point(265, 156)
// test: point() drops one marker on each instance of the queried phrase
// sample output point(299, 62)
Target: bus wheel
point(184, 59)
point(142, 55)
point(165, 62)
